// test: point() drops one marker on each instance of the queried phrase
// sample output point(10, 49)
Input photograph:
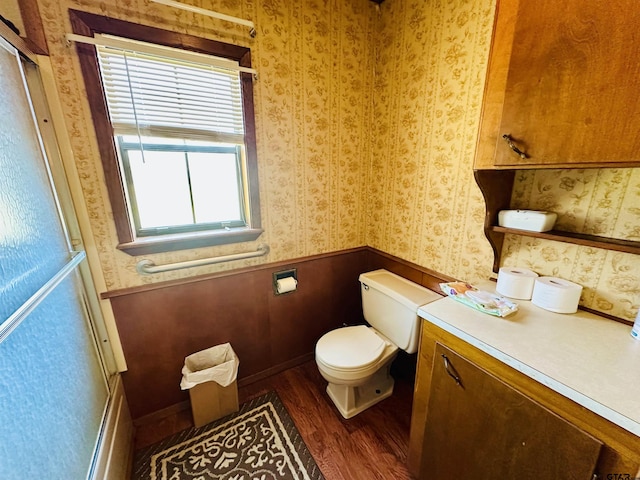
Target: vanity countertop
point(590, 359)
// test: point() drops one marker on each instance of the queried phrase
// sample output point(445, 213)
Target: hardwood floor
point(371, 445)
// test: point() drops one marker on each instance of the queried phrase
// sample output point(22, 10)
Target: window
point(181, 187)
point(177, 180)
point(176, 134)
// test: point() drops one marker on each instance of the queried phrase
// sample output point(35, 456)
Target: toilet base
point(350, 400)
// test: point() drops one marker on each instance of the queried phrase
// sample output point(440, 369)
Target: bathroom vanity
point(532, 395)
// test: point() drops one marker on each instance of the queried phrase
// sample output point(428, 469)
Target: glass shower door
point(53, 388)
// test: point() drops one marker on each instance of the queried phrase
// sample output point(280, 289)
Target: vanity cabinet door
point(478, 427)
point(563, 85)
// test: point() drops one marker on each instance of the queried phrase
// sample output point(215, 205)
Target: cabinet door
point(478, 427)
point(571, 95)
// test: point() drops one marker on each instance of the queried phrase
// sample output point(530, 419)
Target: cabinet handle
point(507, 138)
point(451, 370)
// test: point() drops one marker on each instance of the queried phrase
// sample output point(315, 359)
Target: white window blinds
point(153, 95)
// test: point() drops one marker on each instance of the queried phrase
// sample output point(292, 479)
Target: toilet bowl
point(356, 360)
point(351, 355)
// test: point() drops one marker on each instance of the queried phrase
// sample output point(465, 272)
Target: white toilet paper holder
point(292, 272)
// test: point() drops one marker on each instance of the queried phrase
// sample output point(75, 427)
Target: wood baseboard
point(155, 417)
point(276, 369)
point(158, 415)
point(114, 453)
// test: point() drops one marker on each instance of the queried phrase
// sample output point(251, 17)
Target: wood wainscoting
point(162, 323)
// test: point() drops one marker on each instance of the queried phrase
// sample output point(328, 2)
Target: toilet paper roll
point(556, 294)
point(288, 284)
point(516, 282)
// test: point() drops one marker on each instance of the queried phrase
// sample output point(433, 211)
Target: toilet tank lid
point(402, 290)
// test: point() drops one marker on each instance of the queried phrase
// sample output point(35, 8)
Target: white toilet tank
point(390, 305)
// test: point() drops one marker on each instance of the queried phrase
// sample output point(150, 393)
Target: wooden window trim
point(88, 24)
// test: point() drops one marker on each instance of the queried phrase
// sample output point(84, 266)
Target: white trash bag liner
point(216, 364)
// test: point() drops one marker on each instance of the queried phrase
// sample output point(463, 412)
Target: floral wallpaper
point(367, 119)
point(426, 208)
point(600, 202)
point(312, 102)
point(10, 10)
point(430, 68)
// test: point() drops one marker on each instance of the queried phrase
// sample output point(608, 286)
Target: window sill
point(187, 241)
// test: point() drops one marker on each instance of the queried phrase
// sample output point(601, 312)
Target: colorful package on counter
point(481, 300)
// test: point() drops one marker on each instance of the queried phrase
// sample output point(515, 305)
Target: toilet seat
point(350, 348)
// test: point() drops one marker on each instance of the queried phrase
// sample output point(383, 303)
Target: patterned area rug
point(259, 442)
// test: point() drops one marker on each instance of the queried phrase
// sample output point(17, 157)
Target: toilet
point(356, 360)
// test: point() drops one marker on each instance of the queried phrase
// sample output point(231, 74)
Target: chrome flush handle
point(507, 138)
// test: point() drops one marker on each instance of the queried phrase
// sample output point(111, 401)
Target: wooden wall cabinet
point(562, 83)
point(494, 422)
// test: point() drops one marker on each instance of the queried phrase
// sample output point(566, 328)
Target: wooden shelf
point(496, 187)
point(626, 246)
